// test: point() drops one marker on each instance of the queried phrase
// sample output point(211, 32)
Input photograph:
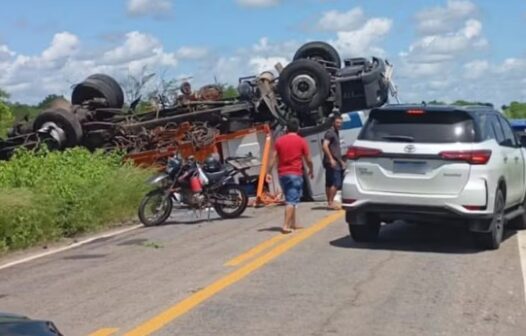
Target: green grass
point(50, 195)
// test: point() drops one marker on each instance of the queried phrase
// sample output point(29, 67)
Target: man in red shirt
point(291, 151)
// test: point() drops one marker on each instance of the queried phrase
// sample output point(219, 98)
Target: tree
point(46, 103)
point(6, 119)
point(436, 102)
point(3, 95)
point(230, 92)
point(165, 92)
point(461, 102)
point(23, 111)
point(515, 110)
point(135, 85)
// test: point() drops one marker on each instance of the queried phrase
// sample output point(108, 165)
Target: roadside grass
point(46, 196)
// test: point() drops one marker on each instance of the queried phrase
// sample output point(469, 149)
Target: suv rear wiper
point(403, 138)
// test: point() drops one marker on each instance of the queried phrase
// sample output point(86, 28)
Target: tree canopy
point(515, 110)
point(6, 119)
point(46, 103)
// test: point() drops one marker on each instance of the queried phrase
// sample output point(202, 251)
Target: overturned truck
point(310, 88)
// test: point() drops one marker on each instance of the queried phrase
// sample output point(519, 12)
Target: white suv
point(436, 163)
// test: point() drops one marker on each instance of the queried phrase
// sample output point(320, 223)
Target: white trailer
point(253, 145)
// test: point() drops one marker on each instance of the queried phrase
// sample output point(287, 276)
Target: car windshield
point(429, 127)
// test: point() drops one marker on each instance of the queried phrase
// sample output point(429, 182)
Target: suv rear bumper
point(413, 212)
point(477, 222)
point(475, 194)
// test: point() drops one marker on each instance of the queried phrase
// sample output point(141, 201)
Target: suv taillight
point(354, 153)
point(477, 157)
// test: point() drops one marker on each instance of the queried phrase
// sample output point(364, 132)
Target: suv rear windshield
point(429, 127)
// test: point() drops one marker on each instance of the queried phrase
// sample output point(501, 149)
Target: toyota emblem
point(410, 149)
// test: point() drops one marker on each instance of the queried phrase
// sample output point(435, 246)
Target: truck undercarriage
point(310, 88)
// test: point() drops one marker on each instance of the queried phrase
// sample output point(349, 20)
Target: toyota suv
point(433, 164)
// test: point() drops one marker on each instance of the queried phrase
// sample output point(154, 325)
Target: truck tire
point(319, 50)
point(98, 87)
point(491, 240)
point(115, 86)
point(365, 228)
point(65, 120)
point(304, 85)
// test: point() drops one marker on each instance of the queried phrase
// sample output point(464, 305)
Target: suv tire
point(491, 240)
point(365, 228)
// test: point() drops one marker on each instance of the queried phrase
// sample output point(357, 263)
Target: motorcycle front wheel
point(155, 208)
point(231, 201)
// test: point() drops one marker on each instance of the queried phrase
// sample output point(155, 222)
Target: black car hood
point(17, 325)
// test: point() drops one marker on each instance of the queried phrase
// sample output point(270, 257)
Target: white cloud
point(476, 69)
point(5, 54)
point(438, 20)
point(475, 80)
point(362, 41)
point(192, 53)
point(136, 45)
point(512, 66)
point(448, 46)
point(335, 21)
point(261, 56)
point(258, 3)
point(63, 45)
point(29, 78)
point(440, 64)
point(261, 64)
point(420, 71)
point(156, 8)
point(447, 62)
point(264, 54)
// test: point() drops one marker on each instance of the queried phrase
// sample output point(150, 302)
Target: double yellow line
point(161, 320)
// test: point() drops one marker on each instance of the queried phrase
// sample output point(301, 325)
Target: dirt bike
point(188, 185)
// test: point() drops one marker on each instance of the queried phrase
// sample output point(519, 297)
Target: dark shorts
point(333, 177)
point(292, 186)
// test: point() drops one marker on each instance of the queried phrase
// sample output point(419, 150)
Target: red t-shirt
point(291, 149)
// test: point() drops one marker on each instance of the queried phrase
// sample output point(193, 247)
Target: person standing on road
point(291, 152)
point(332, 161)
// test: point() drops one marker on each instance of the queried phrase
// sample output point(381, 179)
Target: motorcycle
point(191, 186)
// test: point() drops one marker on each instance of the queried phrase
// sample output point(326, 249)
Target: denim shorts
point(292, 186)
point(333, 178)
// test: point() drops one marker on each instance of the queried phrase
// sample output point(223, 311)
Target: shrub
point(48, 195)
point(6, 119)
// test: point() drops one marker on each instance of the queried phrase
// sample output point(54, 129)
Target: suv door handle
point(516, 159)
point(506, 159)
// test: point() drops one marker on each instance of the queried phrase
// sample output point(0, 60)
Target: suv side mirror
point(523, 140)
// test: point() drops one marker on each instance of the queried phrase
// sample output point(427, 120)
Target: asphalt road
point(242, 277)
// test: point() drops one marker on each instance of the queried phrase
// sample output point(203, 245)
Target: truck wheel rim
point(55, 132)
point(303, 87)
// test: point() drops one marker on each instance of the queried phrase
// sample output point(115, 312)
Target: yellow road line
point(256, 250)
point(104, 332)
point(172, 313)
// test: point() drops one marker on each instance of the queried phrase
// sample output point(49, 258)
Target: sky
point(441, 49)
